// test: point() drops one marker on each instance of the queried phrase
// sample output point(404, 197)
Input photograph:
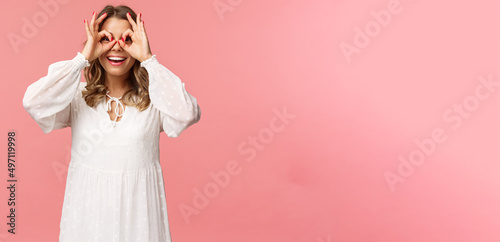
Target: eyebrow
point(112, 33)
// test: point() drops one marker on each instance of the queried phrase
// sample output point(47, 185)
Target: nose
point(116, 47)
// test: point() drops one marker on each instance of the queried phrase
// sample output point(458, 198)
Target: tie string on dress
point(117, 108)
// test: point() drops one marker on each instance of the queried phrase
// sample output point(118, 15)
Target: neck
point(117, 85)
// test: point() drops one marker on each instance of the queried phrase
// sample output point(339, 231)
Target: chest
point(115, 108)
point(114, 122)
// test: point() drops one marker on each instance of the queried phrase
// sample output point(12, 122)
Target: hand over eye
point(135, 41)
point(97, 42)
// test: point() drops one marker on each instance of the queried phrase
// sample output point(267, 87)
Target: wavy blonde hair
point(95, 90)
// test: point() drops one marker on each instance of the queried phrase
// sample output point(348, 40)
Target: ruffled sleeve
point(178, 109)
point(48, 100)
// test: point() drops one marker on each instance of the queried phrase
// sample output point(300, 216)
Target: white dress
point(114, 187)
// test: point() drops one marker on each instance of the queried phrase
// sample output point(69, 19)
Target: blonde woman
point(114, 188)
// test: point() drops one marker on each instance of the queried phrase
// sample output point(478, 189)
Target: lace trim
point(80, 59)
point(146, 62)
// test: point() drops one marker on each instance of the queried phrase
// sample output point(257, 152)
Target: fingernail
point(84, 20)
point(123, 39)
point(128, 13)
point(93, 13)
point(111, 38)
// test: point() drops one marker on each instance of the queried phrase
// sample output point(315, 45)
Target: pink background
point(321, 176)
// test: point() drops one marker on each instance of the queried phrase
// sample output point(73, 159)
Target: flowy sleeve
point(178, 109)
point(48, 100)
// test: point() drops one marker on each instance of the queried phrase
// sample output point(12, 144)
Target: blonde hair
point(95, 90)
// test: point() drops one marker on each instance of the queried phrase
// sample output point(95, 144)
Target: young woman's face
point(116, 27)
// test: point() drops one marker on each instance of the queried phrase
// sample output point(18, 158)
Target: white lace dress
point(114, 187)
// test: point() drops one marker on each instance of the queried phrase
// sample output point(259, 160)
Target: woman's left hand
point(139, 48)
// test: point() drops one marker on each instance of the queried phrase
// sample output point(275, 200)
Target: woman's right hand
point(94, 47)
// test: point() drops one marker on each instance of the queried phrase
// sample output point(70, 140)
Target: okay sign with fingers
point(139, 48)
point(93, 47)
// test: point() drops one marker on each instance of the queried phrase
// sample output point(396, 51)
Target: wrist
point(86, 55)
point(148, 56)
point(81, 60)
point(149, 61)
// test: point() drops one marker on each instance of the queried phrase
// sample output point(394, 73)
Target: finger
point(134, 25)
point(123, 45)
point(87, 29)
point(138, 32)
point(143, 29)
point(105, 33)
point(92, 20)
point(128, 33)
point(101, 18)
point(138, 22)
point(109, 45)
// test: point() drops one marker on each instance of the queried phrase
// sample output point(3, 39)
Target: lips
point(116, 60)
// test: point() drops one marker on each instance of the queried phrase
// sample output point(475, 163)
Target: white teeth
point(116, 58)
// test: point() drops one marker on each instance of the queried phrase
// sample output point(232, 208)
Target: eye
point(105, 38)
point(128, 39)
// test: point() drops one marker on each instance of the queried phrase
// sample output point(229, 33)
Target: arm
point(178, 109)
point(48, 99)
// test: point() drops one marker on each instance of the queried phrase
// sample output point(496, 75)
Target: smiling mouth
point(116, 61)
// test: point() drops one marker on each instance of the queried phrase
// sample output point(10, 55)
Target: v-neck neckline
point(108, 117)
